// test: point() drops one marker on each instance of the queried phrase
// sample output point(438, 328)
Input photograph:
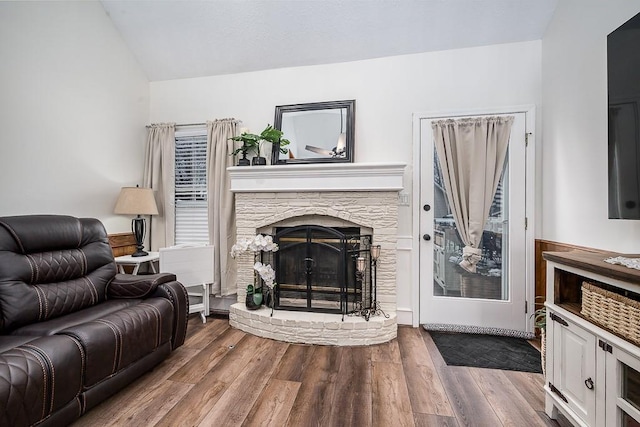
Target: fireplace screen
point(316, 269)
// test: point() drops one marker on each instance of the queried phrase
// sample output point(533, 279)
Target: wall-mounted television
point(623, 83)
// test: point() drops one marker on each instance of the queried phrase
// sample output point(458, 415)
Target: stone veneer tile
point(331, 330)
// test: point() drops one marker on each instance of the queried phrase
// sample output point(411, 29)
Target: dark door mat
point(487, 351)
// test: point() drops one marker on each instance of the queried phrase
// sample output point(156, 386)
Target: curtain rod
point(186, 124)
point(192, 124)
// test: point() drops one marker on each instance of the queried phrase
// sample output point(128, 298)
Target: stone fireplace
point(343, 196)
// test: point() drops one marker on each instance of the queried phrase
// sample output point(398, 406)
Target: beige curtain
point(222, 230)
point(159, 174)
point(471, 152)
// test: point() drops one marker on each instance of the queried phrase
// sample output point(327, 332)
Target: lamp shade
point(136, 201)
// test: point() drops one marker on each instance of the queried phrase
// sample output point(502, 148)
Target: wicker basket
point(615, 312)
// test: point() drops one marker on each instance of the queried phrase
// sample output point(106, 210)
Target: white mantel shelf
point(317, 177)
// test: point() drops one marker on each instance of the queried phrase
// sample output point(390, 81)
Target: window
point(191, 186)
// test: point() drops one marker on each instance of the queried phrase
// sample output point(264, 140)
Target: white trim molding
point(405, 312)
point(317, 177)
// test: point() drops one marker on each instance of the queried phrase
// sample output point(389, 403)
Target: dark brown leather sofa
point(72, 331)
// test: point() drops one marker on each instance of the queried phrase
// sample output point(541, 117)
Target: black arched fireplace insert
point(325, 269)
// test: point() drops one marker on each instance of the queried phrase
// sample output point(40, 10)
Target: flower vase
point(257, 297)
point(249, 300)
point(268, 298)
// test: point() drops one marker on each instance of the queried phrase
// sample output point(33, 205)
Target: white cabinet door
point(574, 359)
point(623, 388)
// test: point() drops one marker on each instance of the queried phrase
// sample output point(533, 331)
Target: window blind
point(191, 187)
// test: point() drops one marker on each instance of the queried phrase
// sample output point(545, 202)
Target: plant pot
point(259, 161)
point(249, 300)
point(257, 298)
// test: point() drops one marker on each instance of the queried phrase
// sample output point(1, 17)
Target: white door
point(494, 296)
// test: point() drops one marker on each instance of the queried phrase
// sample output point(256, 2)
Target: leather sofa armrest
point(177, 294)
point(130, 286)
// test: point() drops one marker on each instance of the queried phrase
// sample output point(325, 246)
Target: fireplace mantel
point(317, 177)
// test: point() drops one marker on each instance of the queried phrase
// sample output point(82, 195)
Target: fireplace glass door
point(315, 268)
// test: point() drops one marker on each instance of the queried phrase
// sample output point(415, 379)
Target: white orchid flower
point(266, 272)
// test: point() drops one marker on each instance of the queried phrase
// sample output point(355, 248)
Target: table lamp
point(137, 201)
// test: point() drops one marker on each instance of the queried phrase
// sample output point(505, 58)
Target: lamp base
point(138, 228)
point(139, 252)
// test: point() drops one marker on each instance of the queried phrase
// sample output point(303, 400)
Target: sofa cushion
point(7, 342)
point(51, 266)
point(113, 342)
point(38, 378)
point(52, 327)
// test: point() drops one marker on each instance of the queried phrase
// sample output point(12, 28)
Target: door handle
point(589, 383)
point(426, 237)
point(308, 264)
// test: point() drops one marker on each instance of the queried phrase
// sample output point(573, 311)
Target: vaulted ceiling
point(190, 38)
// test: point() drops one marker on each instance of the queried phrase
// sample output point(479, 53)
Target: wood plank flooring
point(224, 377)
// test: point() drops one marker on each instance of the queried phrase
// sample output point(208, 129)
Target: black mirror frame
point(349, 105)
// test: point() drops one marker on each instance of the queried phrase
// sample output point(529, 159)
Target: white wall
point(73, 105)
point(574, 95)
point(387, 92)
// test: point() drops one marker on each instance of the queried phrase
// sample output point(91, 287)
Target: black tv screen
point(623, 81)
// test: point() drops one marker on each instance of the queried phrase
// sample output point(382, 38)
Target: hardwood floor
point(224, 377)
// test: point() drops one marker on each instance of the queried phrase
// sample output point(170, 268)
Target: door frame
point(530, 198)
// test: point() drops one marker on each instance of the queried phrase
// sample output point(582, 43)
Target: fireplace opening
point(316, 269)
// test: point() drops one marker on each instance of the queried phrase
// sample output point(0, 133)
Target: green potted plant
point(252, 143)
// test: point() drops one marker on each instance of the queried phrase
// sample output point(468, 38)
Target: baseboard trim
point(404, 316)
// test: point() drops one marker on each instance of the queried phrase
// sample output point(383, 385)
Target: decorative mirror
point(319, 132)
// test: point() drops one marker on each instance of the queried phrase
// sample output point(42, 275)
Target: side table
point(136, 262)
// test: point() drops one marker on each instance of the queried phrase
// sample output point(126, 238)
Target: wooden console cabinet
point(592, 373)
